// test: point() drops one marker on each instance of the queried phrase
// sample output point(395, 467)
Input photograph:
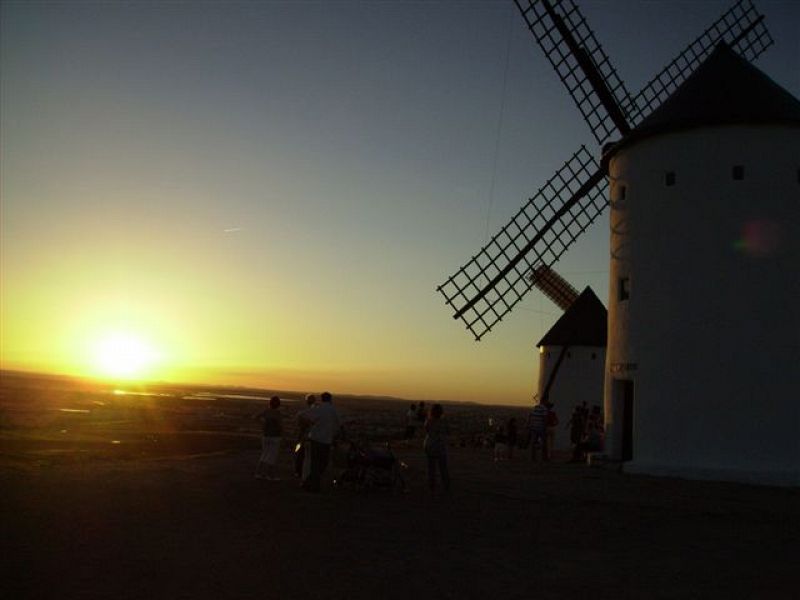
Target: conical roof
point(585, 323)
point(724, 90)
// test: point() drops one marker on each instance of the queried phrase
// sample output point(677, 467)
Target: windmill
point(488, 287)
point(579, 335)
point(704, 173)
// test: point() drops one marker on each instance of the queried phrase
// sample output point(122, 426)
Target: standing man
point(537, 423)
point(550, 436)
point(576, 426)
point(324, 425)
point(411, 422)
point(302, 443)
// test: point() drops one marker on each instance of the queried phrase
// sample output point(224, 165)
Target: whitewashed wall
point(579, 379)
point(711, 332)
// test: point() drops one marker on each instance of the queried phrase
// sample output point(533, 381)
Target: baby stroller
point(368, 468)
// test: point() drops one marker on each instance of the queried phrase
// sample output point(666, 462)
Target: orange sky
point(262, 195)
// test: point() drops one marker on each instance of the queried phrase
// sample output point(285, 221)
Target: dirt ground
point(152, 495)
point(201, 526)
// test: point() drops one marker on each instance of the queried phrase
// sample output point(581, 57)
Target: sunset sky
point(268, 193)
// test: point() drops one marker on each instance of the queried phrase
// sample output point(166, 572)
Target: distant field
point(52, 420)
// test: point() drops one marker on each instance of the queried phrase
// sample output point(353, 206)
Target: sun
point(123, 355)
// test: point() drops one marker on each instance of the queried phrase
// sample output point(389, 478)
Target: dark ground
point(204, 528)
point(174, 512)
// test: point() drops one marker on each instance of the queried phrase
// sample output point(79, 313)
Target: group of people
point(416, 416)
point(586, 431)
point(319, 425)
point(542, 424)
point(436, 430)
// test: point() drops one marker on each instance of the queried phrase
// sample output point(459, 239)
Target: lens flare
point(760, 238)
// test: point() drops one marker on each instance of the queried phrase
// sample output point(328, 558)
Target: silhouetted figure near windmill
point(576, 426)
point(435, 447)
point(537, 423)
point(550, 432)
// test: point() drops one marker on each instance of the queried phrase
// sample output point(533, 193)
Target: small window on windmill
point(669, 178)
point(622, 191)
point(738, 172)
point(624, 288)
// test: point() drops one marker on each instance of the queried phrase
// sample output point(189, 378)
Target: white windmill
point(572, 353)
point(702, 372)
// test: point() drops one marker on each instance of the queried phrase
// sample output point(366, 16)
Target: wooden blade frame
point(569, 44)
point(484, 290)
point(554, 286)
point(741, 27)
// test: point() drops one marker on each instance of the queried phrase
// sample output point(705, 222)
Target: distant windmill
point(704, 318)
point(579, 335)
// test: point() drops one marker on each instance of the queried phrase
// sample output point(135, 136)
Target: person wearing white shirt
point(324, 426)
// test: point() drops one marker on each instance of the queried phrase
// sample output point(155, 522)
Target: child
point(270, 439)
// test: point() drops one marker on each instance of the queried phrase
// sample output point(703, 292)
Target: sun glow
point(123, 355)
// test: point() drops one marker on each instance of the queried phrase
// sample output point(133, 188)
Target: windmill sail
point(554, 286)
point(741, 27)
point(584, 68)
point(485, 289)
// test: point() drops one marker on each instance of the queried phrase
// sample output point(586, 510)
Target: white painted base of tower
point(776, 478)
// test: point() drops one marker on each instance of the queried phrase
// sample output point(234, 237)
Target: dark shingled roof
point(583, 324)
point(726, 89)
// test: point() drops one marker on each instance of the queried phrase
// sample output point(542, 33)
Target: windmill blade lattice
point(581, 63)
point(741, 27)
point(484, 290)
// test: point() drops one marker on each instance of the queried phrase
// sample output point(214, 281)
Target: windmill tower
point(691, 344)
point(707, 188)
